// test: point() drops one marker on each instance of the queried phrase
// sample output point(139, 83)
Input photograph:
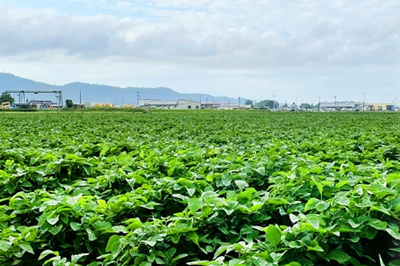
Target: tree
point(6, 97)
point(249, 102)
point(267, 104)
point(306, 106)
point(69, 103)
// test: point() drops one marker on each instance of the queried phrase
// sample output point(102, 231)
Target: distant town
point(21, 93)
point(8, 102)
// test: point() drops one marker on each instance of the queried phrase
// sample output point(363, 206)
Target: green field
point(199, 188)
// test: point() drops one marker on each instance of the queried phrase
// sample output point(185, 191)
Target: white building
point(188, 104)
point(157, 103)
point(89, 104)
point(343, 105)
point(226, 106)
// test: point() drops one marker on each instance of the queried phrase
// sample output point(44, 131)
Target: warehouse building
point(340, 106)
point(180, 104)
point(157, 103)
point(188, 104)
point(380, 107)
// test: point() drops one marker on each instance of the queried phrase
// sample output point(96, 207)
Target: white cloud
point(246, 34)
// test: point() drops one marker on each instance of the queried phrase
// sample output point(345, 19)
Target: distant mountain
point(101, 93)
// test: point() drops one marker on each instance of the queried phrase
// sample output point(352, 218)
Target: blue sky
point(258, 49)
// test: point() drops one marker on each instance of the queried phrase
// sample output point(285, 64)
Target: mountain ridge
point(89, 92)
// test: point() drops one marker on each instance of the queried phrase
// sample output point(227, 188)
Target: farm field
point(199, 188)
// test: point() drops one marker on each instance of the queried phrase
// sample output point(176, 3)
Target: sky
point(287, 50)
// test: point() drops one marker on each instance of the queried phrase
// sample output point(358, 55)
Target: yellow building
point(5, 105)
point(379, 107)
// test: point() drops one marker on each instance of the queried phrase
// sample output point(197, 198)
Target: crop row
point(199, 188)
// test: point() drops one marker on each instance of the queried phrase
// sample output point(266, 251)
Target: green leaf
point(313, 219)
point(339, 256)
point(76, 258)
point(247, 195)
point(322, 206)
point(5, 245)
point(319, 185)
point(343, 201)
point(91, 234)
point(380, 209)
point(159, 261)
point(377, 224)
point(180, 256)
point(194, 205)
point(311, 204)
point(48, 252)
point(393, 233)
point(219, 251)
point(241, 184)
point(191, 191)
point(273, 235)
point(101, 225)
point(293, 218)
point(75, 226)
point(170, 253)
point(193, 236)
point(113, 244)
point(278, 201)
point(27, 247)
point(54, 230)
point(381, 261)
point(226, 180)
point(315, 248)
point(52, 219)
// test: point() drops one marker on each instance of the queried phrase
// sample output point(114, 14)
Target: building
point(379, 107)
point(89, 104)
point(157, 103)
point(231, 106)
point(188, 104)
point(184, 104)
point(43, 104)
point(78, 106)
point(340, 106)
point(180, 104)
point(210, 105)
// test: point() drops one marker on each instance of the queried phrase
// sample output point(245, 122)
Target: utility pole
point(319, 104)
point(273, 104)
point(335, 104)
point(137, 98)
point(363, 101)
point(239, 102)
point(80, 97)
